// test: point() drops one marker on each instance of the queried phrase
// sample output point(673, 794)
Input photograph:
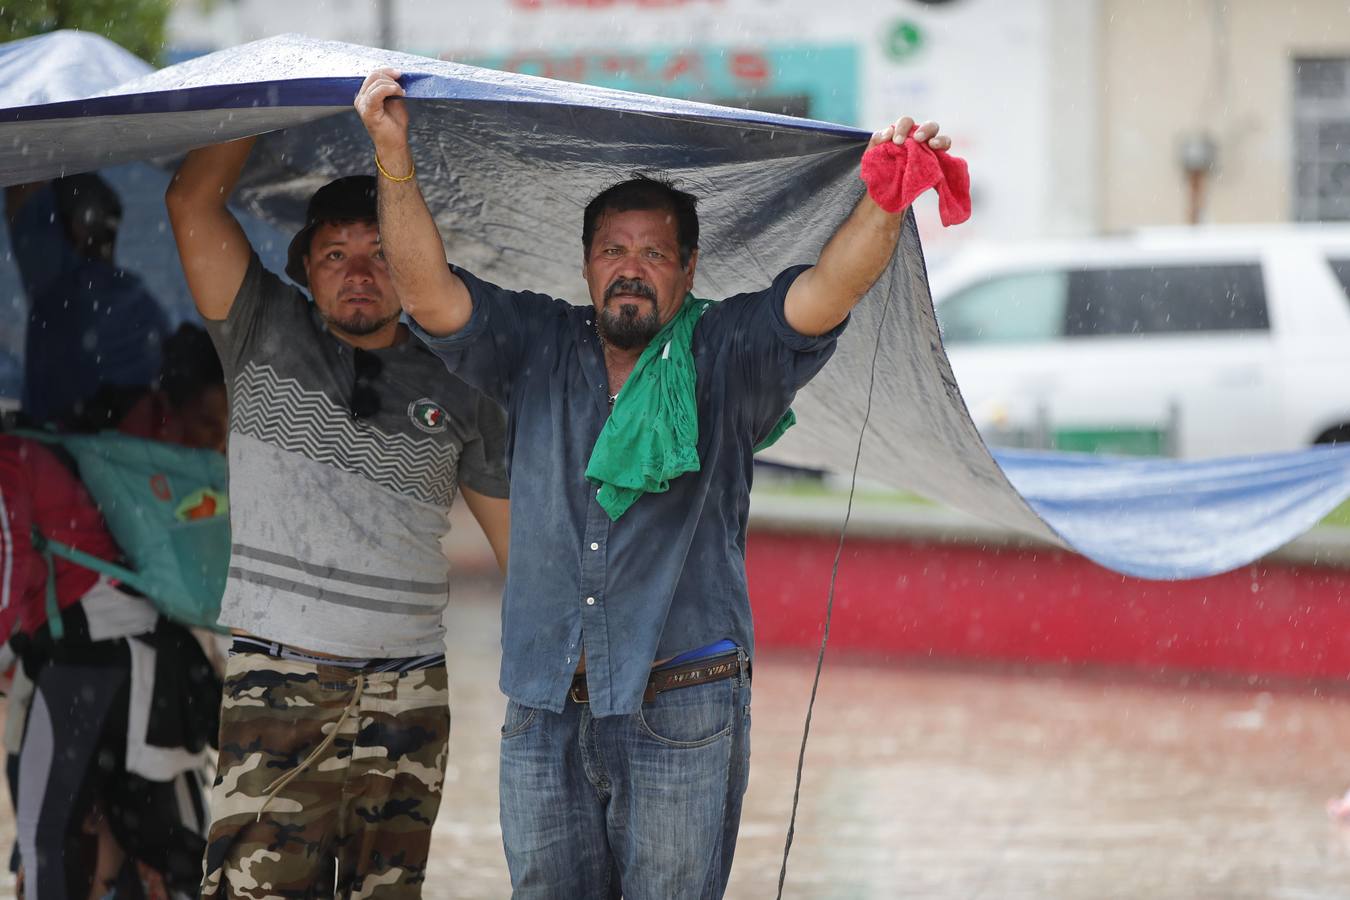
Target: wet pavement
point(925, 781)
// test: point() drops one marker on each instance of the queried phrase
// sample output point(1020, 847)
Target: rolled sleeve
point(776, 308)
point(487, 351)
point(774, 354)
point(471, 332)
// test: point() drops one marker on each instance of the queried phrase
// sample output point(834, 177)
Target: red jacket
point(36, 489)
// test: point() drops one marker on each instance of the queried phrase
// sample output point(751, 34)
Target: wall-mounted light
point(1198, 155)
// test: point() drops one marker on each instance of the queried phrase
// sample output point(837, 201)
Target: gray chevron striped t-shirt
point(343, 467)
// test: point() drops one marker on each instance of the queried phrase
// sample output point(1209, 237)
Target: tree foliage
point(137, 25)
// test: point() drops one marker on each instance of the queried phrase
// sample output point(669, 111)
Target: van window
point(1341, 268)
point(1161, 299)
point(1020, 308)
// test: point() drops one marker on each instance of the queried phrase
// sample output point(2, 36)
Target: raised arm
point(41, 249)
point(211, 245)
point(432, 294)
point(857, 254)
point(17, 195)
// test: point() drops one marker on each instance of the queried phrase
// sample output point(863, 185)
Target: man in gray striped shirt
point(348, 442)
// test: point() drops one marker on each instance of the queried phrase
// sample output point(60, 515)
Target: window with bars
point(1322, 139)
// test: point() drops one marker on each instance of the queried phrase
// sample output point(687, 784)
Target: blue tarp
point(48, 69)
point(508, 162)
point(1165, 518)
point(63, 65)
point(68, 65)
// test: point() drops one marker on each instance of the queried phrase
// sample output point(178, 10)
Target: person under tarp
point(633, 420)
point(348, 444)
point(186, 405)
point(91, 323)
point(109, 714)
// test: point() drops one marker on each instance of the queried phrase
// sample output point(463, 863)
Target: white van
point(1192, 343)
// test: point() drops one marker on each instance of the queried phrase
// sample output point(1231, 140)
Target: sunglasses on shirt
point(365, 399)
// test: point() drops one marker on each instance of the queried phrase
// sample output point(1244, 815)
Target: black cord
point(829, 603)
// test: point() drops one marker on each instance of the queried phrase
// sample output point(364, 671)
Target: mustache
point(635, 286)
point(370, 293)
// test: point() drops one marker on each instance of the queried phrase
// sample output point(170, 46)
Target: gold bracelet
point(385, 172)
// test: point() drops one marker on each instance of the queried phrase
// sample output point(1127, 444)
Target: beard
point(626, 328)
point(359, 323)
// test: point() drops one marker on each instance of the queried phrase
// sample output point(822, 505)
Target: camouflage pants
point(364, 805)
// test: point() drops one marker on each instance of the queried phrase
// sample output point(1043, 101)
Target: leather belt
point(700, 671)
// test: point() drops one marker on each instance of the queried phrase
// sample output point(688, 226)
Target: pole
point(384, 13)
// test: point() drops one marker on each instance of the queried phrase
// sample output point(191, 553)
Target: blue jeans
point(639, 806)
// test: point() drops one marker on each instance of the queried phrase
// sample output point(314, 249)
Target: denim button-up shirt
point(669, 575)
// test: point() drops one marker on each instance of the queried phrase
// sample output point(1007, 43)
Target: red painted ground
point(947, 601)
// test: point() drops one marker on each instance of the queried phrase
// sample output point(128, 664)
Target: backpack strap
point(50, 548)
point(54, 623)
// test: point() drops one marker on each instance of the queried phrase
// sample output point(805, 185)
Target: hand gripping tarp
point(507, 163)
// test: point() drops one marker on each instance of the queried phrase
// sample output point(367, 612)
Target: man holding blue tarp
point(626, 625)
point(348, 443)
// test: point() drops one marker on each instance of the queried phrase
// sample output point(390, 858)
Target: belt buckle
point(573, 693)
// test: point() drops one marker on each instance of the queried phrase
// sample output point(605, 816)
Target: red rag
point(897, 173)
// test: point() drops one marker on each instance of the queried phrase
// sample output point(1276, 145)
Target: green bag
point(167, 507)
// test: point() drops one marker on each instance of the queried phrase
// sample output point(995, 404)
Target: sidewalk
point(962, 783)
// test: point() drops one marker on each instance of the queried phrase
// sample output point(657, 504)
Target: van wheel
point(1338, 435)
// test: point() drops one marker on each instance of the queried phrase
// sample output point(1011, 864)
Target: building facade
point(1077, 116)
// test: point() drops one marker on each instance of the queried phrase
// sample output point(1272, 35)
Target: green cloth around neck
point(651, 435)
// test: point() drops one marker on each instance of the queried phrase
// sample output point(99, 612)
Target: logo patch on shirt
point(427, 415)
